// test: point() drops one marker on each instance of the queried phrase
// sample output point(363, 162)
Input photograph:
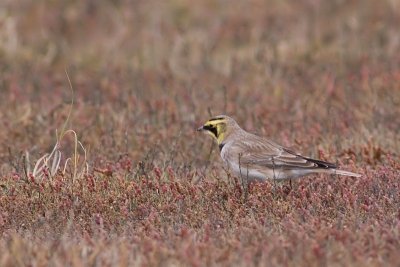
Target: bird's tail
point(345, 173)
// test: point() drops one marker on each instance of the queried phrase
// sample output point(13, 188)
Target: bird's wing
point(265, 153)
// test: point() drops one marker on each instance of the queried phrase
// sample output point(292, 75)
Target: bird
point(258, 159)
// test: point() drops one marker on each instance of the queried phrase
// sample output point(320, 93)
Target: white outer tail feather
point(345, 173)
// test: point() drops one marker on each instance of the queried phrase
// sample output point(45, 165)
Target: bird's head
point(219, 127)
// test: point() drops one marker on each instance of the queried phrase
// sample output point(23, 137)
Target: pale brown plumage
point(257, 158)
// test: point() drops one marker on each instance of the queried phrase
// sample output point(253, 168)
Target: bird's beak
point(200, 129)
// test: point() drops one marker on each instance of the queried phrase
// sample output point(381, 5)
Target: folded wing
point(269, 154)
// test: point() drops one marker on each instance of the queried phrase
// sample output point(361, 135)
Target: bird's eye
point(212, 129)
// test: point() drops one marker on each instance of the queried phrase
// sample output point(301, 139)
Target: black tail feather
point(322, 164)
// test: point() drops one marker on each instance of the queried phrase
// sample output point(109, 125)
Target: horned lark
point(256, 158)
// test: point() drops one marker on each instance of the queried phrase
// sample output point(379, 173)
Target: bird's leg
point(273, 169)
point(246, 189)
point(243, 180)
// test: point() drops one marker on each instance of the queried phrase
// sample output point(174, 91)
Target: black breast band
point(221, 146)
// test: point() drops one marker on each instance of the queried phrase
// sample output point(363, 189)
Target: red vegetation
point(322, 76)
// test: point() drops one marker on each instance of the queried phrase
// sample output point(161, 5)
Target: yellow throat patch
point(216, 128)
